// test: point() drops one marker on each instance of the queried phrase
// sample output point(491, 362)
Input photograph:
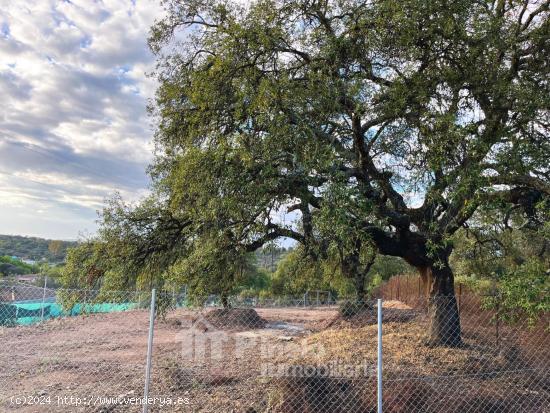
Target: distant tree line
point(33, 248)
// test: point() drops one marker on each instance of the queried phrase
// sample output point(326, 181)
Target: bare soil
point(104, 354)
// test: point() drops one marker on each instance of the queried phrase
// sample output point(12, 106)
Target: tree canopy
point(345, 125)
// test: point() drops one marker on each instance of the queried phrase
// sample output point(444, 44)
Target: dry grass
point(404, 350)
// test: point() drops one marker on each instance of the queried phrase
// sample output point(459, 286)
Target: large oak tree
point(375, 123)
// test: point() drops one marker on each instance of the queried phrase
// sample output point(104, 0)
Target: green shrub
point(482, 286)
point(523, 294)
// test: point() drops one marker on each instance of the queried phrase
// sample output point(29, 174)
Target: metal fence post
point(43, 298)
point(149, 351)
point(379, 368)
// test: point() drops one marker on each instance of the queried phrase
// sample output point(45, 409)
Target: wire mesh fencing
point(271, 355)
point(437, 357)
point(469, 359)
point(69, 349)
point(23, 304)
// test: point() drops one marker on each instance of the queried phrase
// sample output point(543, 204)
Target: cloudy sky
point(73, 124)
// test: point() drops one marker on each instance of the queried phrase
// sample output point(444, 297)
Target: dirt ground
point(205, 369)
point(104, 355)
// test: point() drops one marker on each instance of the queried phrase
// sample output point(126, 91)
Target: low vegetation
point(14, 266)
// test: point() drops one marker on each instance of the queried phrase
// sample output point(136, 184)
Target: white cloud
point(73, 124)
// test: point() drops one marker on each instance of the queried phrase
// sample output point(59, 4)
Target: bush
point(523, 294)
point(482, 286)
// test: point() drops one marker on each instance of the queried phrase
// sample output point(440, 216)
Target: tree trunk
point(225, 300)
point(352, 270)
point(360, 279)
point(442, 306)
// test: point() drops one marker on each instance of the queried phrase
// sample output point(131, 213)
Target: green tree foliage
point(13, 266)
point(507, 257)
point(55, 248)
point(497, 241)
point(255, 280)
point(213, 269)
point(341, 109)
point(524, 293)
point(297, 273)
point(92, 265)
point(52, 274)
point(257, 284)
point(381, 126)
point(385, 267)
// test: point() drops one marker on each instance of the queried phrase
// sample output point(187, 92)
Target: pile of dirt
point(231, 319)
point(368, 316)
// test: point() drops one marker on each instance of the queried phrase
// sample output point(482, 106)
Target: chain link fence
point(81, 350)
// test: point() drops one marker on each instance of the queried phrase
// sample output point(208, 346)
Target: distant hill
point(32, 248)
